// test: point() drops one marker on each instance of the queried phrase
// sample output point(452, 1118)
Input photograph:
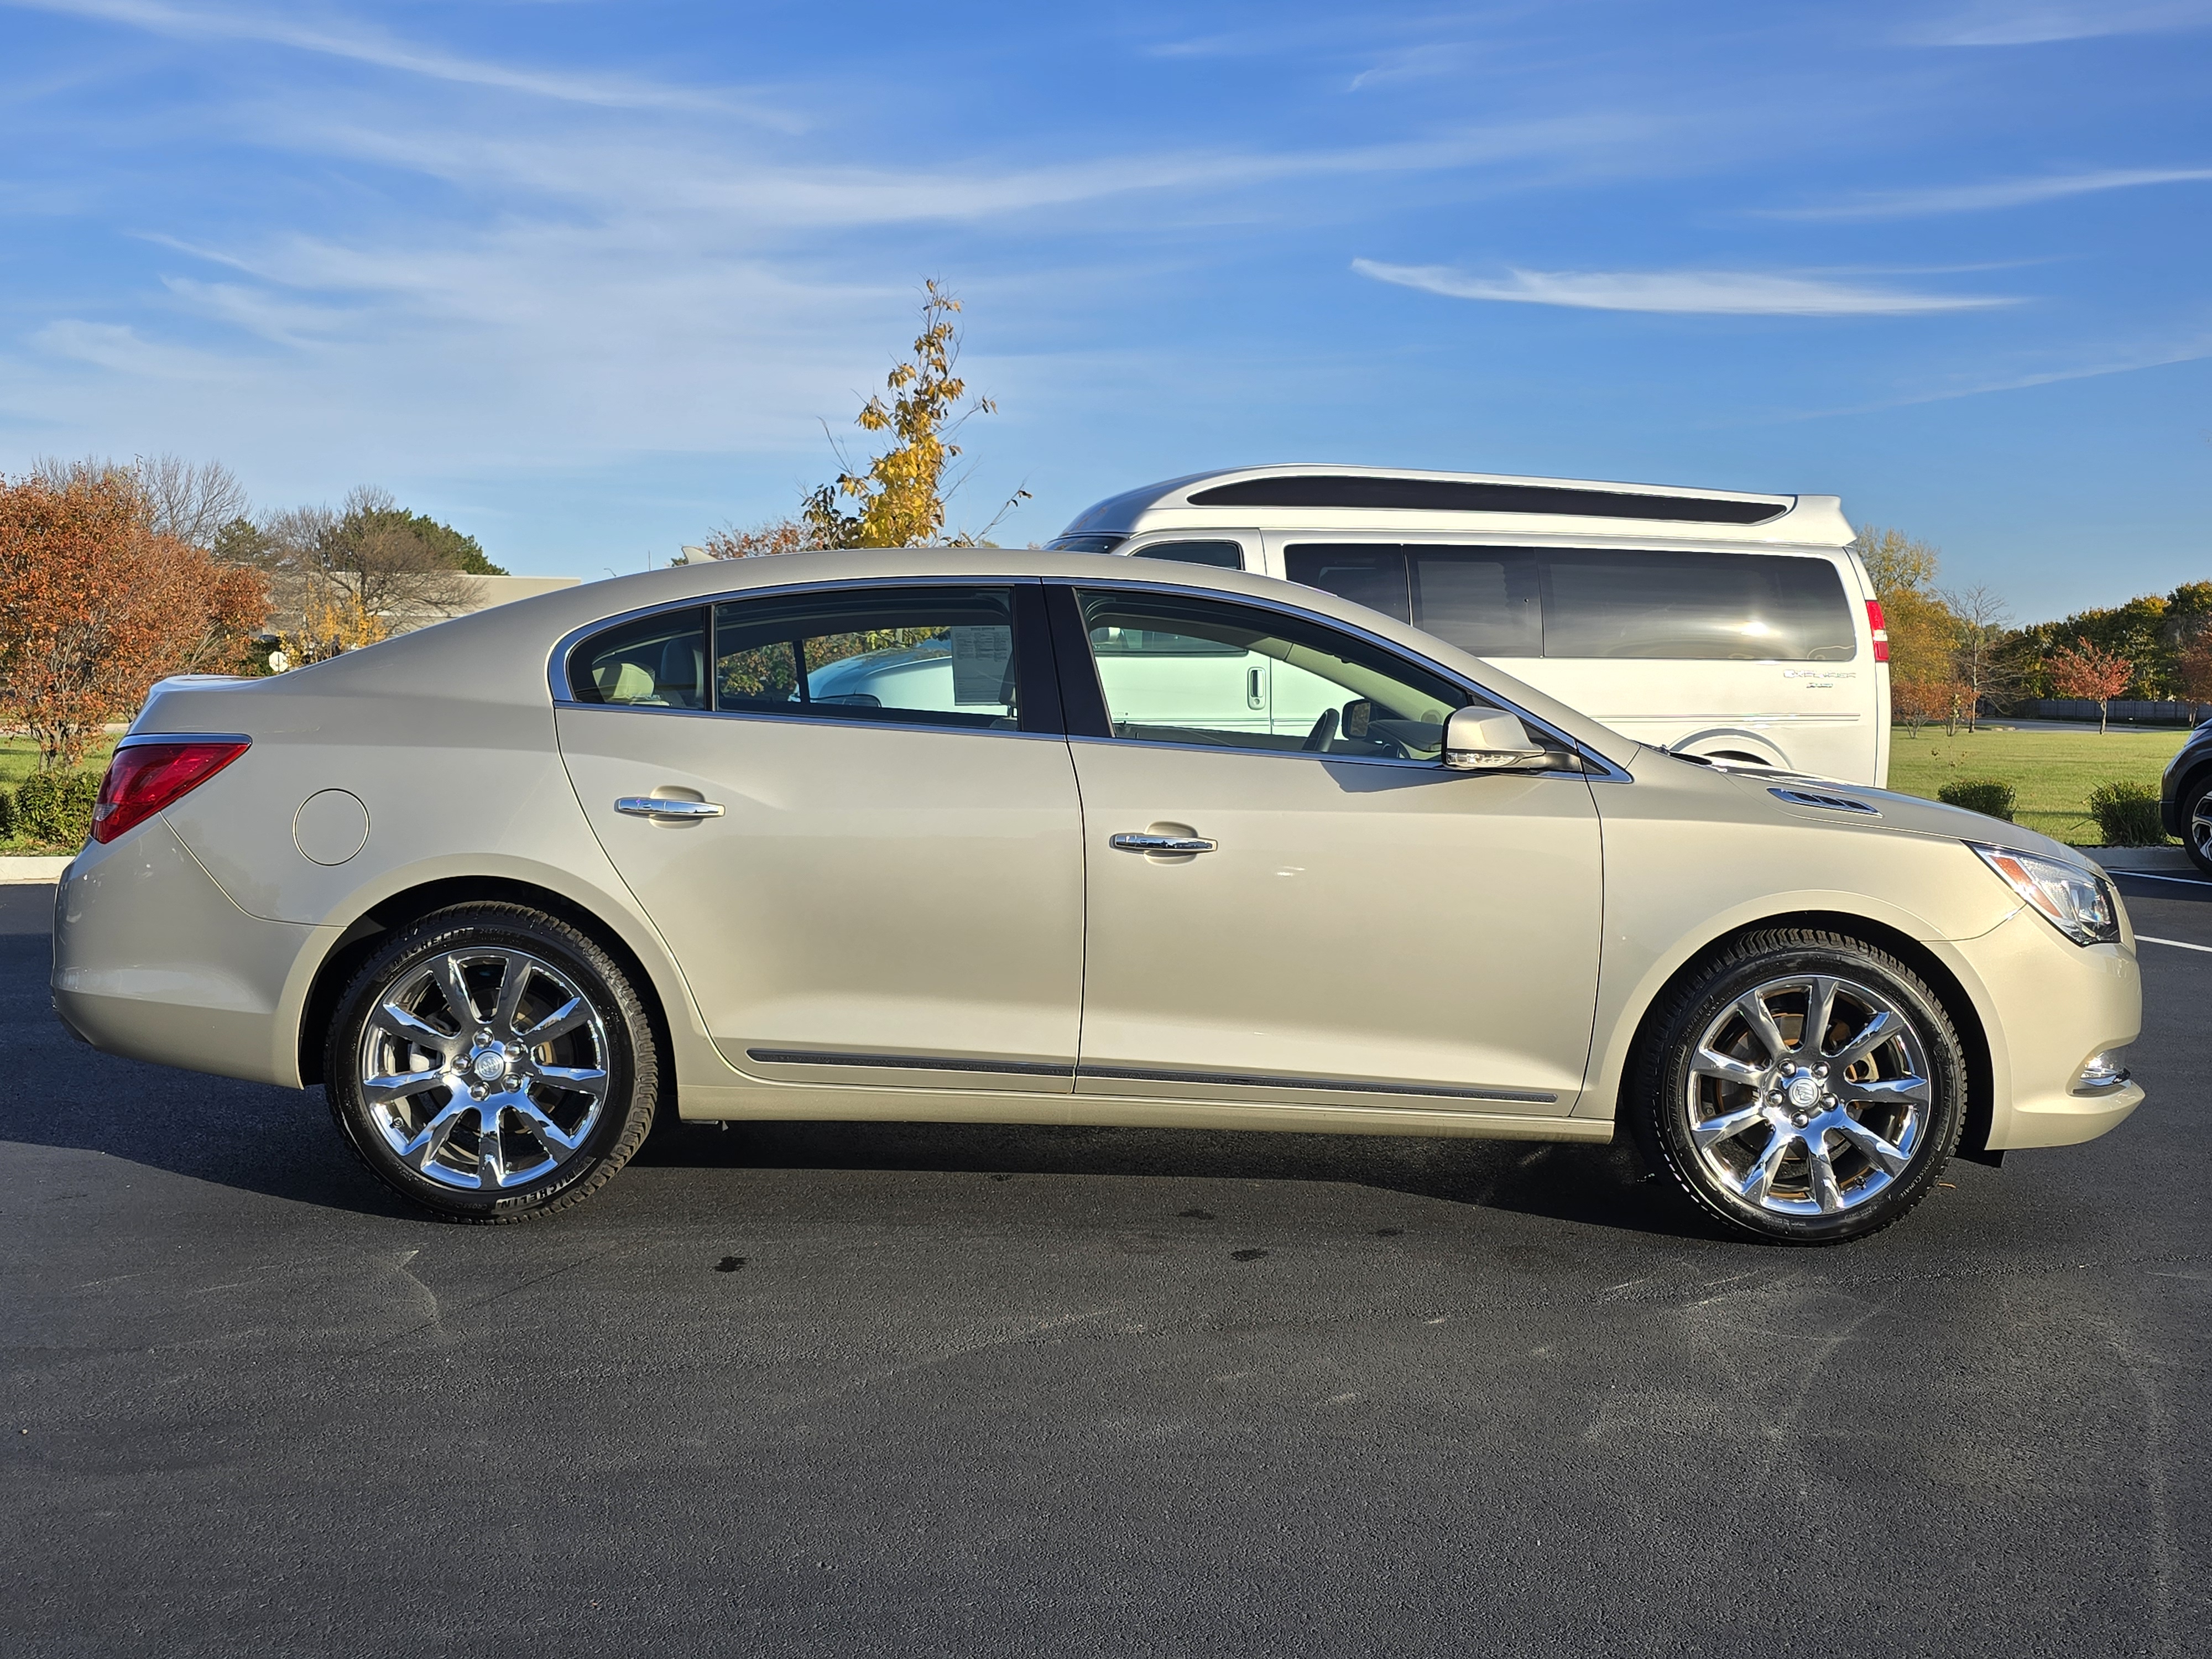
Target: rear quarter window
point(655, 662)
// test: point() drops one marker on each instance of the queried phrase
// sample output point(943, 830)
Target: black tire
point(615, 1021)
point(2197, 805)
point(1869, 1195)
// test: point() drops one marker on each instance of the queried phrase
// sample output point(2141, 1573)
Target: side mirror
point(1488, 740)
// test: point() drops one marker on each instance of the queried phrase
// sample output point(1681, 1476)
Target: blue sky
point(589, 279)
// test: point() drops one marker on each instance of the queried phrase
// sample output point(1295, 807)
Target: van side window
point(1484, 599)
point(1218, 556)
point(1695, 607)
point(657, 661)
point(1527, 602)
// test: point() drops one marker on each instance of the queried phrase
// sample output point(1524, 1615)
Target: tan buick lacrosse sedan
point(1036, 837)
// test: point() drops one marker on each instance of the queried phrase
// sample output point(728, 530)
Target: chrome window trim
point(846, 721)
point(1434, 766)
point(1610, 774)
point(556, 666)
point(1594, 766)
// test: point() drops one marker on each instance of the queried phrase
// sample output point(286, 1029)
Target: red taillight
point(145, 777)
point(1880, 626)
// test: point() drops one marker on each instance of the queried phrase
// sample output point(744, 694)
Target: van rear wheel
point(1804, 1088)
point(492, 1063)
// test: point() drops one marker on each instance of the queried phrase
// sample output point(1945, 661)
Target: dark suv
point(2185, 796)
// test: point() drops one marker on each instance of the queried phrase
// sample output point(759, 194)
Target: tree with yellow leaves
point(898, 500)
point(333, 619)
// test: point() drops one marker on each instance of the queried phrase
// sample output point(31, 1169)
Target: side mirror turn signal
point(1489, 740)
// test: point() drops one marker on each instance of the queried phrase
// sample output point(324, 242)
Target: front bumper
point(2046, 1005)
point(151, 961)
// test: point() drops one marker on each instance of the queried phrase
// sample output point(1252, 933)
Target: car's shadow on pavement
point(282, 1144)
point(1600, 1186)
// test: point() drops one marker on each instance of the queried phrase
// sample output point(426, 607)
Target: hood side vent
point(1827, 803)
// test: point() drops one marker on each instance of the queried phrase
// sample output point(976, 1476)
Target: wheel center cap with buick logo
point(1804, 1093)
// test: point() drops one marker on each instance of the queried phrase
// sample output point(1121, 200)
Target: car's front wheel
point(1804, 1087)
point(492, 1063)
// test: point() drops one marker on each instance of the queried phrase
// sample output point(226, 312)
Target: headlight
point(2080, 904)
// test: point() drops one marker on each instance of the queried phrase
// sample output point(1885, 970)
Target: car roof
point(1306, 497)
point(502, 655)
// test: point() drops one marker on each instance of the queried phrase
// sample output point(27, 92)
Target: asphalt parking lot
point(839, 1389)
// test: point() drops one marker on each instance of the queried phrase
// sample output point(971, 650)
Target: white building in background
point(502, 589)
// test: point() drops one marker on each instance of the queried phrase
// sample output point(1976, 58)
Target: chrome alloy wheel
point(1808, 1096)
point(484, 1067)
point(2200, 829)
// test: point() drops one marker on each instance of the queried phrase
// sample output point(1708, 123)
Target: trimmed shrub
point(56, 807)
point(1992, 798)
point(2127, 814)
point(7, 813)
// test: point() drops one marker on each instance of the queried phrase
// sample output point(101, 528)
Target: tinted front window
point(939, 656)
point(656, 662)
point(1701, 607)
point(1198, 670)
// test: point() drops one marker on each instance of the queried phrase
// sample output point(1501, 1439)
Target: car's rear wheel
point(1803, 1088)
point(492, 1063)
point(2196, 823)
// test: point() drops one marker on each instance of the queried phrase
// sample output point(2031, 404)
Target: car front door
point(1319, 912)
point(852, 815)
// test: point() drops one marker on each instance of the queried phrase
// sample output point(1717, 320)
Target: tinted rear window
point(1523, 602)
point(1701, 607)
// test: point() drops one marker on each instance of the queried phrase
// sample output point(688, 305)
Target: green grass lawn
point(18, 758)
point(2052, 771)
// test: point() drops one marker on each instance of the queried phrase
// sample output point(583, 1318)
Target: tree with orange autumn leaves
point(95, 605)
point(2083, 670)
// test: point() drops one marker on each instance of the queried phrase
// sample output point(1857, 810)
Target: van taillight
point(1880, 626)
point(145, 777)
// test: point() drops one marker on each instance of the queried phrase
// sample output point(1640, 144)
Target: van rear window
point(1528, 602)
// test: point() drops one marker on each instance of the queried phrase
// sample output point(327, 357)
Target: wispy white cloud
point(1997, 194)
point(1421, 63)
point(122, 351)
point(382, 50)
point(2187, 349)
point(1685, 293)
point(647, 173)
point(2034, 22)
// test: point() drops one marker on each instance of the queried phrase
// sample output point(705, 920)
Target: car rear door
point(852, 815)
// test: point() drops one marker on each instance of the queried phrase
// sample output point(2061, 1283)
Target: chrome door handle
point(661, 806)
point(1164, 843)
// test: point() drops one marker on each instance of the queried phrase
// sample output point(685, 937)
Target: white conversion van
point(1734, 627)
